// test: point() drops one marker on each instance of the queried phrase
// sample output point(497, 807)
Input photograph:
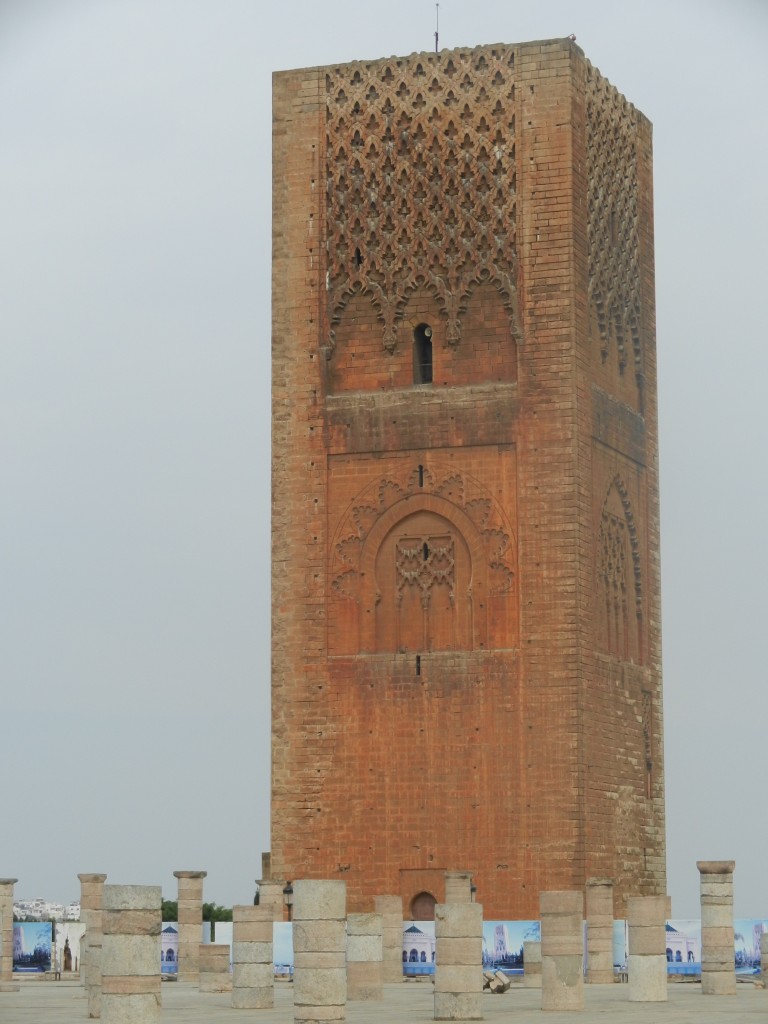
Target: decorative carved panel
point(423, 560)
point(614, 260)
point(420, 177)
point(620, 597)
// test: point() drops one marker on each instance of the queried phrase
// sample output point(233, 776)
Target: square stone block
point(319, 900)
point(457, 978)
point(564, 901)
point(364, 947)
point(458, 920)
point(365, 924)
point(324, 961)
point(319, 936)
point(128, 954)
point(458, 1006)
point(562, 983)
point(313, 986)
point(132, 897)
point(460, 951)
point(647, 978)
point(136, 1009)
point(253, 975)
point(252, 953)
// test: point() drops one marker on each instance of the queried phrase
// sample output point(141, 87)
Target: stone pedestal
point(599, 906)
point(6, 935)
point(562, 951)
point(271, 895)
point(718, 971)
point(213, 967)
point(190, 901)
point(253, 971)
point(647, 964)
point(458, 887)
point(391, 910)
point(458, 961)
point(319, 951)
point(532, 964)
point(91, 895)
point(130, 987)
point(365, 955)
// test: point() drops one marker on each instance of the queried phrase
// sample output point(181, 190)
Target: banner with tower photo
point(31, 947)
point(747, 933)
point(503, 944)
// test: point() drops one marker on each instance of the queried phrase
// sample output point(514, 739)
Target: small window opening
point(421, 476)
point(358, 258)
point(422, 354)
point(418, 664)
point(425, 551)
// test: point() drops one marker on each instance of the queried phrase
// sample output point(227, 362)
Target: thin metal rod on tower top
point(437, 24)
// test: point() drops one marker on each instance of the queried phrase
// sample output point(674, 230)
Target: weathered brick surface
point(466, 633)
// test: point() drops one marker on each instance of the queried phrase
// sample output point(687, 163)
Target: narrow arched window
point(422, 354)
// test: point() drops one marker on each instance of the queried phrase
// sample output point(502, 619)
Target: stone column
point(190, 899)
point(532, 964)
point(599, 901)
point(647, 965)
point(458, 887)
point(718, 971)
point(6, 935)
point(91, 896)
point(271, 895)
point(319, 951)
point(253, 968)
point(391, 910)
point(213, 964)
point(764, 957)
point(130, 986)
point(458, 961)
point(562, 951)
point(365, 957)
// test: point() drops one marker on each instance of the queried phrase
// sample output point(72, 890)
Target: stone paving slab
point(409, 1003)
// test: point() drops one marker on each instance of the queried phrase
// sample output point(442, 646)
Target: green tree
point(213, 912)
point(170, 910)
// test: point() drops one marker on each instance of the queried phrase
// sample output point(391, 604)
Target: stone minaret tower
point(465, 533)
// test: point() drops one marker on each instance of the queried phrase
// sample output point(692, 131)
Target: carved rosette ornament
point(420, 177)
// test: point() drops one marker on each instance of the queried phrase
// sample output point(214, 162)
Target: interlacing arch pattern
point(614, 277)
point(420, 174)
point(621, 592)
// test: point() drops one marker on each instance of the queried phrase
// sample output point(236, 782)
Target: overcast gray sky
point(134, 415)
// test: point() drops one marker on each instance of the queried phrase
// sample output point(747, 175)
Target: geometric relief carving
point(620, 600)
point(612, 231)
point(423, 574)
point(420, 180)
point(423, 561)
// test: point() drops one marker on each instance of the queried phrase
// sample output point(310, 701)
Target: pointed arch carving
point(619, 576)
point(422, 561)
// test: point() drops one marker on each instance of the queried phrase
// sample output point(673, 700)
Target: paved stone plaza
point(407, 1003)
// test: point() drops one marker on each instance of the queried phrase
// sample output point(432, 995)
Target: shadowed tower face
point(466, 646)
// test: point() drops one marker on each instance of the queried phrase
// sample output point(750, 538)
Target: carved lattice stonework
point(614, 258)
point(424, 562)
point(420, 172)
